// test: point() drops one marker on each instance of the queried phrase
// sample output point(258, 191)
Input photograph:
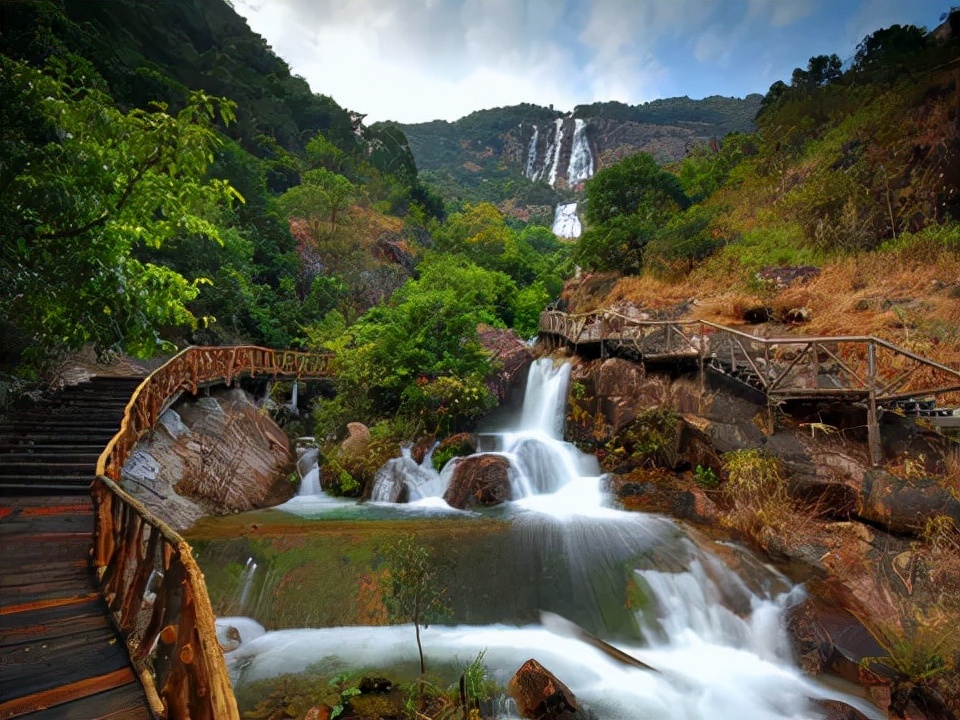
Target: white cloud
point(415, 60)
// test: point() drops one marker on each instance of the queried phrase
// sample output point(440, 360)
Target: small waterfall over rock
point(531, 168)
point(566, 222)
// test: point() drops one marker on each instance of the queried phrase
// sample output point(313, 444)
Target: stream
point(299, 585)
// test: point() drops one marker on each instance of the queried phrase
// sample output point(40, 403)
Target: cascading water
point(558, 548)
point(566, 222)
point(580, 168)
point(531, 169)
point(557, 147)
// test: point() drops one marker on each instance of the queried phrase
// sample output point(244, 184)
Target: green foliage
point(626, 203)
point(633, 186)
point(411, 592)
point(617, 244)
point(757, 494)
point(449, 450)
point(685, 239)
point(649, 440)
point(527, 306)
point(321, 197)
point(84, 187)
point(705, 477)
point(419, 356)
point(347, 689)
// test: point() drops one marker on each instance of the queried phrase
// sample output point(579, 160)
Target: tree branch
point(150, 162)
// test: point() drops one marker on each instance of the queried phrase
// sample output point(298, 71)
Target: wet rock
point(822, 472)
point(836, 710)
point(375, 685)
point(230, 458)
point(512, 354)
point(319, 712)
point(457, 445)
point(540, 695)
point(389, 484)
point(905, 507)
point(482, 480)
point(663, 492)
point(829, 639)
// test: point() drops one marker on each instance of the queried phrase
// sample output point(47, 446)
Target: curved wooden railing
point(147, 573)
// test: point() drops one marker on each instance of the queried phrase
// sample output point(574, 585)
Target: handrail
point(783, 367)
point(147, 573)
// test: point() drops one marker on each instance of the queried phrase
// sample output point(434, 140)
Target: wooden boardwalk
point(850, 369)
point(60, 653)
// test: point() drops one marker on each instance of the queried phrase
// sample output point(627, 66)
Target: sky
point(418, 60)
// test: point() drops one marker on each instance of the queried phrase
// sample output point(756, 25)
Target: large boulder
point(905, 507)
point(212, 456)
point(357, 441)
point(482, 480)
point(512, 355)
point(540, 695)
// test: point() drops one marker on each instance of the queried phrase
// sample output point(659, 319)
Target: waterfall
point(246, 580)
point(531, 170)
point(566, 223)
point(581, 159)
point(557, 145)
point(635, 582)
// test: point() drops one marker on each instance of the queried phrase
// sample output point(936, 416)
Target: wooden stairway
point(60, 653)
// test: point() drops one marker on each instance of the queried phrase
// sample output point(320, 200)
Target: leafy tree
point(687, 238)
point(84, 185)
point(634, 186)
point(413, 593)
point(321, 197)
point(616, 244)
point(887, 52)
point(419, 356)
point(821, 70)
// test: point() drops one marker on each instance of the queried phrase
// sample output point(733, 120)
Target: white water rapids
point(716, 638)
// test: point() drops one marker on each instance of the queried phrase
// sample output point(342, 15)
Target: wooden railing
point(859, 368)
point(783, 367)
point(147, 573)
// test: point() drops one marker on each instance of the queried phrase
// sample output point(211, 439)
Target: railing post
point(873, 424)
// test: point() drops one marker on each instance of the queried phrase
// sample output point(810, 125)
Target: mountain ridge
point(486, 155)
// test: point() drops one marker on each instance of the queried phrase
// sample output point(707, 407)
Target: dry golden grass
point(908, 298)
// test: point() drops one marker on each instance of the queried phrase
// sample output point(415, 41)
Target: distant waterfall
point(566, 222)
point(567, 155)
point(581, 159)
point(531, 170)
point(557, 146)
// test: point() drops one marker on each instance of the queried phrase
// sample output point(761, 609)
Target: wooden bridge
point(103, 611)
point(859, 369)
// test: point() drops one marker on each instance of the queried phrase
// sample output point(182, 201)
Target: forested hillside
point(485, 155)
point(166, 180)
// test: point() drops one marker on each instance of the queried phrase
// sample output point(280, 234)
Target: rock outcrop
point(511, 353)
point(211, 456)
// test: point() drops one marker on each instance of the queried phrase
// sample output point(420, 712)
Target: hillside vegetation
point(855, 173)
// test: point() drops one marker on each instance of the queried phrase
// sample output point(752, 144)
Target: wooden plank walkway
point(60, 654)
